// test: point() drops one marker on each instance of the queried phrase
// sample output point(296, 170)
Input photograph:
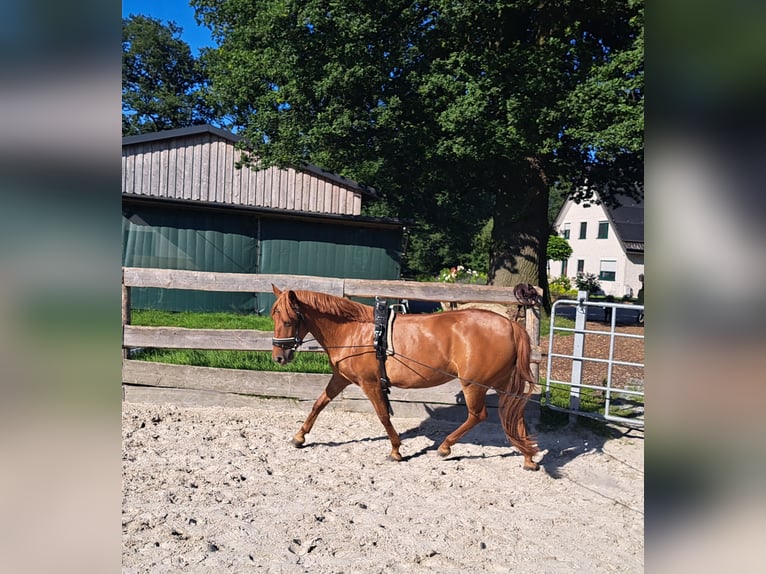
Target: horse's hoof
point(533, 466)
point(393, 458)
point(297, 443)
point(443, 453)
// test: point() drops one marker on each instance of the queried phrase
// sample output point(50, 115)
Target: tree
point(558, 248)
point(458, 111)
point(163, 84)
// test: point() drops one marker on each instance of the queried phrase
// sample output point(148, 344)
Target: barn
point(186, 205)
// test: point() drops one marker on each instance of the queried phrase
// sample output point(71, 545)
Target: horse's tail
point(513, 401)
point(522, 373)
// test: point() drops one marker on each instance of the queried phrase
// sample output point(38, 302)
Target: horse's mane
point(331, 305)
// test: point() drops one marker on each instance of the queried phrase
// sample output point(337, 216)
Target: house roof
point(227, 135)
point(627, 216)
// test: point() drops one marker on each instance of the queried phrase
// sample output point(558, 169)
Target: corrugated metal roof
point(227, 135)
point(180, 133)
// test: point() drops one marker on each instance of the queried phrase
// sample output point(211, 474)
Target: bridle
point(291, 342)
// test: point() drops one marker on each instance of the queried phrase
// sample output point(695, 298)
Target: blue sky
point(178, 11)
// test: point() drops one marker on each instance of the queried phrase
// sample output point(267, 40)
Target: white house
point(606, 241)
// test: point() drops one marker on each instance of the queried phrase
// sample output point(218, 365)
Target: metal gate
point(628, 400)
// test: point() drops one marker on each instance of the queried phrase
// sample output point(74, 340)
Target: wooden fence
point(149, 381)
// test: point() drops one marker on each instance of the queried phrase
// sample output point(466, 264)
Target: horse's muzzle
point(284, 349)
point(282, 356)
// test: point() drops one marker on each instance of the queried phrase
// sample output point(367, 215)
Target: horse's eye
point(287, 324)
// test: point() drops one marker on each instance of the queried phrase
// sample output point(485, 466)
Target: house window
point(565, 231)
point(608, 270)
point(583, 229)
point(564, 268)
point(580, 266)
point(603, 229)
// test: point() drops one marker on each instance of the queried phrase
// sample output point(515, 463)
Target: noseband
point(290, 342)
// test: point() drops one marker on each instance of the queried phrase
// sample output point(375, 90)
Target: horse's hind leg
point(334, 387)
point(475, 400)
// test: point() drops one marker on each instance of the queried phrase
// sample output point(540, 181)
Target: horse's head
point(289, 326)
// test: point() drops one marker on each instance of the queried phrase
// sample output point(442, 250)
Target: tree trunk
point(520, 231)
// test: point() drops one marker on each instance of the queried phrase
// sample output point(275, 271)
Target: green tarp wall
point(233, 243)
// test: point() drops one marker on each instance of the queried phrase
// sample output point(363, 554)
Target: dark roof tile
point(627, 215)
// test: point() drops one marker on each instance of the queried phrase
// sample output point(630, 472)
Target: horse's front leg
point(374, 392)
point(334, 387)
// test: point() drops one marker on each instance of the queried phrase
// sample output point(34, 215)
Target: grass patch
point(249, 360)
point(591, 401)
point(308, 362)
point(190, 320)
point(545, 326)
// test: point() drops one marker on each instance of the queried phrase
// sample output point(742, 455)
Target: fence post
point(581, 314)
point(125, 313)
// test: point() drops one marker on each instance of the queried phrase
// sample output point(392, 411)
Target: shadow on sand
point(559, 439)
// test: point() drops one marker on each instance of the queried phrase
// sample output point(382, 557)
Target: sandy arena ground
point(222, 490)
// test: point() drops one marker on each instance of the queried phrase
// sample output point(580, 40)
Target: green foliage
point(481, 246)
point(558, 194)
point(588, 282)
point(562, 283)
point(561, 287)
point(457, 112)
point(163, 84)
point(558, 248)
point(604, 112)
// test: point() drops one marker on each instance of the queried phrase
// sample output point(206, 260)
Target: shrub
point(588, 282)
point(461, 274)
point(560, 287)
point(562, 283)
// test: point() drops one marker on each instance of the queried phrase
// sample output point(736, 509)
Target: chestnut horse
point(480, 348)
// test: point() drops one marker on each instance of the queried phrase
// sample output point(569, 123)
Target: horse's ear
point(276, 290)
point(292, 297)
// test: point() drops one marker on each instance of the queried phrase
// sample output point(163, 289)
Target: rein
point(462, 379)
point(399, 356)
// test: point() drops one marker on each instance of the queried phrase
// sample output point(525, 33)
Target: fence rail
point(139, 376)
point(261, 283)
